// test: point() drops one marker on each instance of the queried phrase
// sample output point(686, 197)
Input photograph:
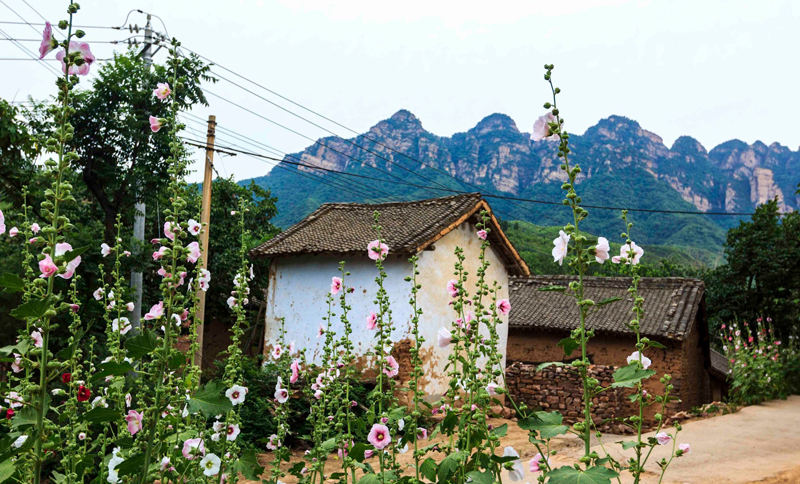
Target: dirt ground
point(757, 444)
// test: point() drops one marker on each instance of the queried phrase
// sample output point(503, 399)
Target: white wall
point(299, 285)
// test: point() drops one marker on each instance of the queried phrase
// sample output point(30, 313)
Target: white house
point(307, 255)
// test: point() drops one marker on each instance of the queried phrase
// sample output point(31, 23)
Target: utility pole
point(205, 219)
point(139, 207)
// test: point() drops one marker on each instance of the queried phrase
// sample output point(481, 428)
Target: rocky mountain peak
point(495, 122)
point(403, 121)
point(688, 145)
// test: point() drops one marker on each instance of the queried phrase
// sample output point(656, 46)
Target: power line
point(41, 24)
point(82, 41)
point(32, 56)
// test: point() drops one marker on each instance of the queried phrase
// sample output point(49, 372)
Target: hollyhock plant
point(377, 250)
point(281, 394)
point(232, 432)
point(277, 351)
point(83, 61)
point(625, 254)
point(2, 223)
point(210, 465)
point(123, 325)
point(379, 436)
point(83, 394)
point(517, 472)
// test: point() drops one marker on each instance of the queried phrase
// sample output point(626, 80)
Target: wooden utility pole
point(205, 220)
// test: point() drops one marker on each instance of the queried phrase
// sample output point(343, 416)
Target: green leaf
point(12, 283)
point(176, 361)
point(571, 475)
point(569, 345)
point(484, 477)
point(357, 452)
point(500, 431)
point(211, 400)
point(112, 368)
point(100, 415)
point(608, 301)
point(67, 352)
point(627, 444)
point(248, 465)
point(69, 256)
point(428, 469)
point(548, 424)
point(25, 418)
point(553, 288)
point(449, 466)
point(628, 376)
point(7, 469)
point(369, 479)
point(141, 345)
point(132, 464)
point(33, 309)
point(549, 363)
point(656, 344)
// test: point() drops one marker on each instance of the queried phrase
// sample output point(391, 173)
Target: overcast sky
point(714, 70)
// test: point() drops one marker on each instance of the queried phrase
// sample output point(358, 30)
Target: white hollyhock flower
point(601, 250)
point(635, 357)
point(445, 337)
point(517, 471)
point(236, 394)
point(561, 246)
point(210, 465)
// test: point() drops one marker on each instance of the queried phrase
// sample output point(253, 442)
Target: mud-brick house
point(306, 256)
point(675, 312)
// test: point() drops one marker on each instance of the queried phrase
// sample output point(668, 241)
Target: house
point(674, 315)
point(719, 376)
point(305, 257)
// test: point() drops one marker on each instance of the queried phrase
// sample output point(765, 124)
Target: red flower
point(66, 377)
point(10, 413)
point(83, 393)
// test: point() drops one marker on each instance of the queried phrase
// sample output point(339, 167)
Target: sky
point(713, 70)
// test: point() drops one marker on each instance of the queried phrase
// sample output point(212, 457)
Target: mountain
point(623, 165)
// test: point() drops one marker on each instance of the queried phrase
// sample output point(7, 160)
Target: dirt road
point(758, 444)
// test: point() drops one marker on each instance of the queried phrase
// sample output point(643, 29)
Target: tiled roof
point(719, 364)
point(407, 227)
point(670, 306)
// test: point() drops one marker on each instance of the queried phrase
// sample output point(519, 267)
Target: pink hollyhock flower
point(194, 227)
point(601, 250)
point(422, 434)
point(47, 267)
point(503, 306)
point(162, 91)
point(372, 320)
point(126, 253)
point(98, 294)
point(74, 308)
point(295, 366)
point(84, 53)
point(663, 438)
point(49, 43)
point(291, 347)
point(273, 442)
point(535, 463)
point(491, 388)
point(155, 124)
point(35, 228)
point(561, 247)
point(277, 351)
point(2, 223)
point(38, 341)
point(233, 432)
point(281, 394)
point(685, 448)
point(162, 272)
point(379, 436)
point(236, 394)
point(541, 128)
point(452, 288)
point(130, 306)
point(105, 249)
point(15, 365)
point(624, 254)
point(392, 367)
point(13, 400)
point(159, 254)
point(193, 447)
point(336, 285)
point(168, 231)
point(377, 250)
point(320, 330)
point(445, 337)
point(13, 232)
point(482, 234)
point(134, 420)
point(231, 302)
point(194, 252)
point(155, 312)
point(62, 249)
point(165, 464)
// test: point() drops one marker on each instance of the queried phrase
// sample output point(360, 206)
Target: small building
point(719, 376)
point(306, 256)
point(674, 315)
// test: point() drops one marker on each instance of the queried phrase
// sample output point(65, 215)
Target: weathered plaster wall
point(298, 287)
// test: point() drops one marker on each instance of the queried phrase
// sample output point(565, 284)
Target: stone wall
point(560, 388)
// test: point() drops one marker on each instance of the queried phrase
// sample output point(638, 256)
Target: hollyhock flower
point(372, 320)
point(291, 347)
point(38, 341)
point(320, 330)
point(20, 441)
point(452, 288)
point(105, 249)
point(624, 254)
point(155, 124)
point(422, 434)
point(13, 400)
point(663, 438)
point(49, 43)
point(535, 463)
point(193, 447)
point(252, 275)
point(635, 357)
point(295, 366)
point(482, 234)
point(231, 302)
point(541, 128)
point(379, 436)
point(685, 448)
point(491, 388)
point(116, 459)
point(445, 337)
point(162, 91)
point(233, 432)
point(82, 436)
point(130, 306)
point(194, 227)
point(318, 394)
point(601, 250)
point(128, 399)
point(123, 325)
point(277, 351)
point(336, 285)
point(517, 472)
point(561, 247)
point(66, 378)
point(165, 463)
point(377, 250)
point(281, 394)
point(2, 223)
point(35, 228)
point(503, 306)
point(134, 420)
point(10, 414)
point(194, 252)
point(273, 443)
point(71, 265)
point(83, 394)
point(155, 312)
point(168, 230)
point(392, 367)
point(15, 365)
point(84, 53)
point(236, 394)
point(13, 232)
point(159, 254)
point(47, 267)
